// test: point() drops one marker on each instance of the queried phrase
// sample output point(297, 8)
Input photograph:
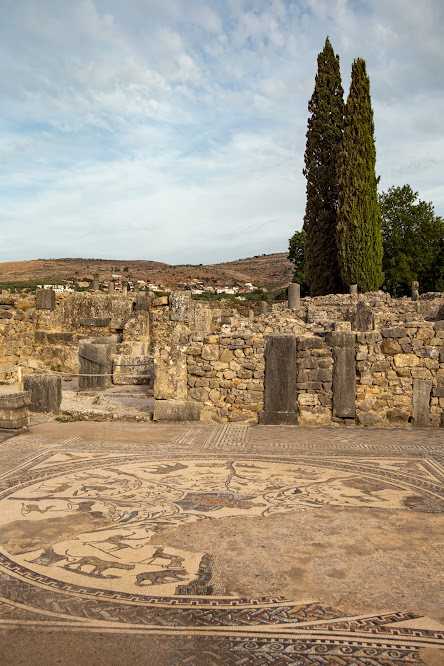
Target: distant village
point(196, 286)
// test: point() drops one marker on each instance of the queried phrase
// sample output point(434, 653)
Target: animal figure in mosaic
point(160, 577)
point(48, 557)
point(29, 508)
point(98, 566)
point(175, 561)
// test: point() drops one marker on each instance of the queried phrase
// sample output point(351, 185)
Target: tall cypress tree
point(359, 219)
point(324, 136)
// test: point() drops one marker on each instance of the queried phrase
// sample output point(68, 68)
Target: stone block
point(180, 302)
point(312, 342)
point(394, 332)
point(364, 319)
point(421, 401)
point(369, 418)
point(45, 392)
point(390, 346)
point(133, 370)
point(210, 352)
point(45, 299)
point(280, 389)
point(344, 374)
point(397, 416)
point(181, 410)
point(406, 360)
point(98, 322)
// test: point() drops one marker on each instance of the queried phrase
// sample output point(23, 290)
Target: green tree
point(324, 136)
point(359, 219)
point(413, 239)
point(296, 254)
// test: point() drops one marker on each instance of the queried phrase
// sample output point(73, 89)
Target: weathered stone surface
point(45, 392)
point(369, 418)
point(280, 390)
point(421, 400)
point(394, 332)
point(132, 370)
point(406, 360)
point(45, 299)
point(14, 410)
point(364, 318)
point(390, 346)
point(177, 410)
point(310, 342)
point(102, 322)
point(95, 363)
point(397, 416)
point(170, 366)
point(210, 352)
point(344, 375)
point(180, 302)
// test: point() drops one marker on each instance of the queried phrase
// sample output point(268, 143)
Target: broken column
point(354, 289)
point(111, 287)
point(45, 392)
point(14, 410)
point(294, 296)
point(95, 282)
point(95, 362)
point(280, 391)
point(124, 289)
point(415, 291)
point(263, 307)
point(45, 299)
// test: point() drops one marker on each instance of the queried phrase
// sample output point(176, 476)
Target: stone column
point(344, 373)
point(136, 287)
point(280, 394)
point(111, 287)
point(124, 289)
point(420, 402)
point(294, 296)
point(415, 291)
point(45, 392)
point(354, 289)
point(264, 307)
point(95, 282)
point(251, 314)
point(95, 361)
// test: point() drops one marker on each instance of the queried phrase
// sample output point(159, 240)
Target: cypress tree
point(359, 219)
point(324, 136)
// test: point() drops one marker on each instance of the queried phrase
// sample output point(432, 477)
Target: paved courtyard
point(125, 543)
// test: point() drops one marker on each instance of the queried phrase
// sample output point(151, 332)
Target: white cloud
point(161, 128)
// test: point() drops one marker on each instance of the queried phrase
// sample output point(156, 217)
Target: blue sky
point(174, 130)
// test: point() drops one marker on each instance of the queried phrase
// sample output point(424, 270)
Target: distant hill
point(267, 270)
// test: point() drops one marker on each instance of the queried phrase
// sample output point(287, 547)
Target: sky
point(174, 130)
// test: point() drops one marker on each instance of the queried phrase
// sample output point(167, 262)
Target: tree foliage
point(359, 221)
point(324, 136)
point(296, 254)
point(413, 238)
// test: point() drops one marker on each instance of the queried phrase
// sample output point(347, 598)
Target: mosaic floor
point(227, 545)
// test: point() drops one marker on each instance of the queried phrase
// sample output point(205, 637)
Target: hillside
point(270, 270)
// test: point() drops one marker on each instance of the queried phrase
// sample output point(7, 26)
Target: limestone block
point(95, 363)
point(179, 302)
point(344, 374)
point(45, 392)
point(280, 391)
point(210, 352)
point(394, 332)
point(406, 360)
point(200, 318)
point(95, 321)
point(397, 416)
point(45, 299)
point(307, 399)
point(14, 410)
point(172, 410)
point(133, 370)
point(369, 418)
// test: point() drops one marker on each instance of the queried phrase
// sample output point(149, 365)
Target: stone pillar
point(344, 373)
point(415, 291)
point(364, 319)
point(251, 314)
point(280, 395)
point(294, 296)
point(264, 307)
point(111, 287)
point(354, 289)
point(136, 287)
point(14, 410)
point(45, 392)
point(180, 302)
point(45, 299)
point(96, 282)
point(420, 402)
point(124, 289)
point(95, 361)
